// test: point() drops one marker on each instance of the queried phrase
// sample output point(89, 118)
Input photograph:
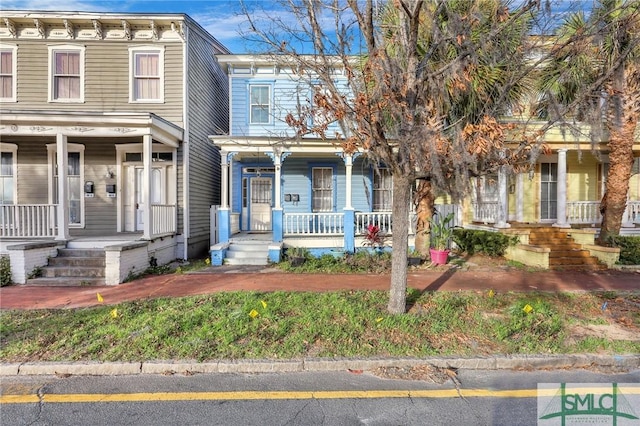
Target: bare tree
point(413, 67)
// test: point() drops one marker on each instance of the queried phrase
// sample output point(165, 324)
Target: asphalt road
point(482, 397)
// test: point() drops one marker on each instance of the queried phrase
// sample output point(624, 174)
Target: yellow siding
point(582, 177)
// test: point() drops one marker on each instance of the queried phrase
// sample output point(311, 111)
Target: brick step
point(570, 253)
point(598, 267)
point(93, 262)
point(65, 282)
point(573, 261)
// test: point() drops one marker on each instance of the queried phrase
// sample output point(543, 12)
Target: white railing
point(632, 213)
point(313, 224)
point(28, 220)
point(583, 212)
point(163, 219)
point(485, 212)
point(380, 219)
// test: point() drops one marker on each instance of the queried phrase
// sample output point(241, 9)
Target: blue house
point(280, 190)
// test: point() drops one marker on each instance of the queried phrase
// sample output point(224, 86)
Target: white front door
point(260, 204)
point(134, 195)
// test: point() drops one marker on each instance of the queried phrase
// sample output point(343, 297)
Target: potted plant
point(441, 233)
point(414, 257)
point(296, 255)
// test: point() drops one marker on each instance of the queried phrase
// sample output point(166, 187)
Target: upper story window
point(259, 104)
point(147, 75)
point(382, 190)
point(67, 74)
point(8, 73)
point(8, 173)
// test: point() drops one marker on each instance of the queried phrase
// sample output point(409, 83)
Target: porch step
point(565, 254)
point(73, 267)
point(250, 252)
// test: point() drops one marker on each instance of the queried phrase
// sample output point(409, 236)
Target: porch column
point(349, 212)
point(277, 214)
point(562, 190)
point(503, 199)
point(63, 189)
point(348, 162)
point(147, 217)
point(520, 197)
point(224, 180)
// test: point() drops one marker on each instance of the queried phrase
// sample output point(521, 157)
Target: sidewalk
point(266, 279)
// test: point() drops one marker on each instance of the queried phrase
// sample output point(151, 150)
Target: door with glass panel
point(260, 203)
point(74, 188)
point(548, 191)
point(134, 206)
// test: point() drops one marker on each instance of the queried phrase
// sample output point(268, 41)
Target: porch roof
point(273, 144)
point(89, 124)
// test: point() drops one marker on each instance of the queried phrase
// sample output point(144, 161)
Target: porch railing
point(485, 212)
point(380, 219)
point(583, 212)
point(28, 220)
point(163, 219)
point(313, 224)
point(632, 213)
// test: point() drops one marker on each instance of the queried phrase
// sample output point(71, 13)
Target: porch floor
point(252, 236)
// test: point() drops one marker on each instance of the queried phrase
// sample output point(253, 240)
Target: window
point(67, 74)
point(382, 190)
point(322, 189)
point(147, 70)
point(259, 104)
point(7, 174)
point(75, 175)
point(7, 74)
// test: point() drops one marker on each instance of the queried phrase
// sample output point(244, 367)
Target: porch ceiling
point(75, 123)
point(252, 146)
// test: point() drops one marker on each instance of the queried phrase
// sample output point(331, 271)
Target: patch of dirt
point(611, 331)
point(423, 372)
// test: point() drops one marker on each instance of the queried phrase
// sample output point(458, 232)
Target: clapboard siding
point(208, 115)
point(32, 172)
point(106, 79)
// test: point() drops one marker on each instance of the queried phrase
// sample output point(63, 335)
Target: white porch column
point(63, 189)
point(348, 162)
point(520, 197)
point(503, 199)
point(277, 162)
point(562, 190)
point(147, 149)
point(224, 180)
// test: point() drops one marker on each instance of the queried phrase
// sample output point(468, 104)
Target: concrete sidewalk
point(267, 279)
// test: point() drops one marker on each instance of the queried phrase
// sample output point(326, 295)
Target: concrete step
point(66, 252)
point(65, 282)
point(72, 272)
point(94, 262)
point(249, 252)
point(249, 261)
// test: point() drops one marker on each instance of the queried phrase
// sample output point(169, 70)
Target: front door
point(260, 204)
point(548, 191)
point(134, 206)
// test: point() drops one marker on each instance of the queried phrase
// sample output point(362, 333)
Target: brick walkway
point(269, 279)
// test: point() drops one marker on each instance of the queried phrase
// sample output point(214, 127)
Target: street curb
point(521, 362)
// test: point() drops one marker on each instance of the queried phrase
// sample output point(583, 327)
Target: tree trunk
point(400, 239)
point(617, 188)
point(424, 200)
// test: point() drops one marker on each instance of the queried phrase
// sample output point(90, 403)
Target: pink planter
point(439, 257)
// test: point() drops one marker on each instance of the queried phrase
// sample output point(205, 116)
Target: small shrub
point(5, 271)
point(629, 249)
point(473, 241)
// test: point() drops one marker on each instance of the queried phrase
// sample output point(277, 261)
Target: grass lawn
point(282, 325)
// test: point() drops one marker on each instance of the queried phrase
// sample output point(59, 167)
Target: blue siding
point(285, 95)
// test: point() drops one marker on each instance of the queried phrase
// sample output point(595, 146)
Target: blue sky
point(219, 17)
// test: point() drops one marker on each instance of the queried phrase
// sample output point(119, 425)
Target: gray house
point(105, 119)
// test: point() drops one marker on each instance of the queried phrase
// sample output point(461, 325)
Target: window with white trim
point(147, 75)
point(8, 173)
point(382, 190)
point(259, 104)
point(8, 73)
point(67, 74)
point(322, 189)
point(75, 177)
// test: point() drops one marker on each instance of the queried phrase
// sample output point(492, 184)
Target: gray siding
point(208, 115)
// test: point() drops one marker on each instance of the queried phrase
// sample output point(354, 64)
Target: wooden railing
point(380, 219)
point(163, 219)
point(28, 220)
point(632, 213)
point(313, 224)
point(485, 212)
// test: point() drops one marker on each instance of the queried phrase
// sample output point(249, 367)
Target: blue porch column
point(276, 222)
point(224, 224)
point(349, 230)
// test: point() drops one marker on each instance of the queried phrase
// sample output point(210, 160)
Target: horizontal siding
point(582, 177)
point(287, 94)
point(106, 79)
